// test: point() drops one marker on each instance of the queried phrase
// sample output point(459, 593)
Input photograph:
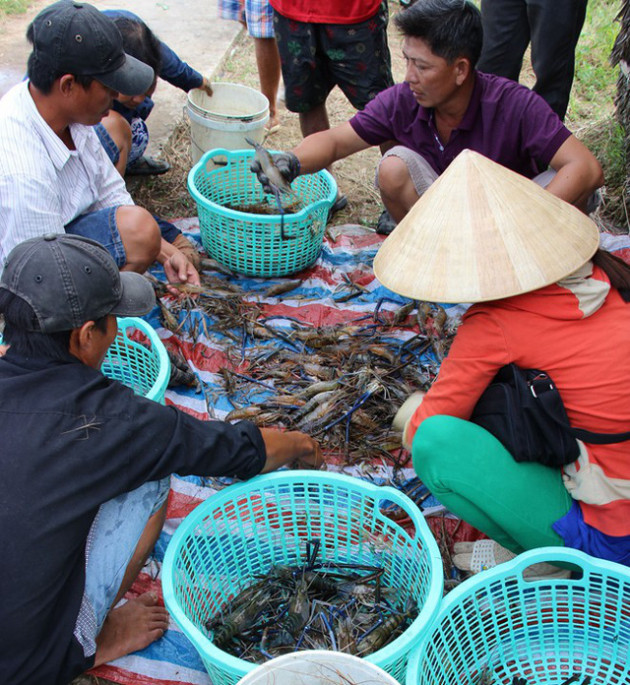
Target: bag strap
point(540, 387)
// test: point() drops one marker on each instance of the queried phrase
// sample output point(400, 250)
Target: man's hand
point(284, 449)
point(285, 162)
point(178, 269)
point(206, 85)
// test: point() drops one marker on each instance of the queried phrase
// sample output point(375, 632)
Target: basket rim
point(247, 216)
point(588, 564)
point(401, 646)
point(156, 392)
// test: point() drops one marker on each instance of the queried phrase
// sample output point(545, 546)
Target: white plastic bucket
point(317, 667)
point(225, 118)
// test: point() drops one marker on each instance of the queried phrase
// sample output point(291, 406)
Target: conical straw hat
point(482, 232)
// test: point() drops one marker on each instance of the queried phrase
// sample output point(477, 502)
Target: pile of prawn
point(316, 605)
point(342, 383)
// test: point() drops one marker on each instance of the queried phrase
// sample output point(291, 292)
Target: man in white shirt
point(55, 176)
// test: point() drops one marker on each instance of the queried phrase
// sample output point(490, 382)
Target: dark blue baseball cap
point(68, 280)
point(75, 38)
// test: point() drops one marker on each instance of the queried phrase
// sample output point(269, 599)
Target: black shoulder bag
point(523, 409)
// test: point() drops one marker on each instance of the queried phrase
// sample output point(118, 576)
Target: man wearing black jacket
point(85, 464)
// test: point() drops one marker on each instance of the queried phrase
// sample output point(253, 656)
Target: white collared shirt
point(43, 184)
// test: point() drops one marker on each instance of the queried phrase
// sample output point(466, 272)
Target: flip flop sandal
point(483, 555)
point(385, 224)
point(271, 130)
point(340, 203)
point(147, 166)
point(487, 554)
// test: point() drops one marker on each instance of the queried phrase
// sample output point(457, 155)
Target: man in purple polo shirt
point(443, 107)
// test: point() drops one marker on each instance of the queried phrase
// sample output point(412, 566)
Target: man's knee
point(140, 234)
point(393, 174)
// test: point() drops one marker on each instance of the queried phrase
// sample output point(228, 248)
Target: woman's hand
point(284, 449)
point(404, 414)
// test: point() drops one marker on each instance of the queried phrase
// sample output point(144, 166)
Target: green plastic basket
point(504, 625)
point(253, 244)
point(245, 529)
point(145, 368)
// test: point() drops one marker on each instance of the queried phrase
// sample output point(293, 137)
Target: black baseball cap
point(75, 38)
point(68, 280)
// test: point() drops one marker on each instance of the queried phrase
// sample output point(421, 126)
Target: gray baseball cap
point(68, 280)
point(76, 38)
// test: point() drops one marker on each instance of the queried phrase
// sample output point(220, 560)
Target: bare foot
point(133, 626)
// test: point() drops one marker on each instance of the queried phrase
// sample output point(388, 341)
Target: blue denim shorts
point(112, 540)
point(108, 143)
point(139, 141)
point(101, 226)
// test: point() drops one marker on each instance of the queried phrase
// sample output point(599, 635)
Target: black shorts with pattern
point(317, 57)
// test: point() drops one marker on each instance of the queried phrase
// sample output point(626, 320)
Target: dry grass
point(167, 195)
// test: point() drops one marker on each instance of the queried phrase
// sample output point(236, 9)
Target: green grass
point(591, 112)
point(13, 7)
point(593, 92)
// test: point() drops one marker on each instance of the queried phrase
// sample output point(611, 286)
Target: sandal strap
point(482, 556)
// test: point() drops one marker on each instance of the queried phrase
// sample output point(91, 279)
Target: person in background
point(545, 298)
point(123, 131)
point(257, 17)
point(552, 27)
point(86, 464)
point(55, 176)
point(326, 44)
point(443, 107)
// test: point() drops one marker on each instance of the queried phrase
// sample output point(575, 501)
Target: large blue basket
point(505, 625)
point(257, 244)
point(145, 368)
point(245, 529)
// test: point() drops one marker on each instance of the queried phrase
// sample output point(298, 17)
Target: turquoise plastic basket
point(252, 244)
point(541, 630)
point(146, 370)
point(247, 528)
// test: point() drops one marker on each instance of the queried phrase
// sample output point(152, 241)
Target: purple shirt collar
point(470, 115)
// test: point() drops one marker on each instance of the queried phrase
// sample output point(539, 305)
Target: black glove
point(285, 162)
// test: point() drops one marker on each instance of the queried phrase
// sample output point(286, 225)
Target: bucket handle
point(211, 155)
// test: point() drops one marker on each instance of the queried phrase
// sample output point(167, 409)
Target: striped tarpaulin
point(349, 251)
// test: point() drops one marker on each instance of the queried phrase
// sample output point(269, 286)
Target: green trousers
point(476, 478)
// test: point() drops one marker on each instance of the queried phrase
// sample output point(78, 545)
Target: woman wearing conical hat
point(545, 298)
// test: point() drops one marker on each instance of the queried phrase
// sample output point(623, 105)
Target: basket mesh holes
point(252, 244)
point(130, 362)
point(271, 526)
